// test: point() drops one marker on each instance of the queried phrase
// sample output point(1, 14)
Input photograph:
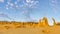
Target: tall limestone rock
point(54, 22)
point(43, 22)
point(40, 23)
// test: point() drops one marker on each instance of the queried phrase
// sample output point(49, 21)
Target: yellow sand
point(37, 30)
point(40, 27)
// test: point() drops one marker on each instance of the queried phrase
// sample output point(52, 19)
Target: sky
point(29, 10)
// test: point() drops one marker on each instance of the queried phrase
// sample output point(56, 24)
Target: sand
point(36, 30)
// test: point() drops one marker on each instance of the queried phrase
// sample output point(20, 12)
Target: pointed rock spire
point(43, 22)
point(54, 22)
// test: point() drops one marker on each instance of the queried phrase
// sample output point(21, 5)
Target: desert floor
point(36, 30)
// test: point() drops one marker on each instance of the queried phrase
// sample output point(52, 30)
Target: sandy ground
point(37, 30)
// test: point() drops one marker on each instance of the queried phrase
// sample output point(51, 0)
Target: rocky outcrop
point(54, 22)
point(43, 22)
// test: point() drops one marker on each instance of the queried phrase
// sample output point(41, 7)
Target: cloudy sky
point(29, 10)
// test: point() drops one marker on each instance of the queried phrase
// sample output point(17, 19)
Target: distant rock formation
point(58, 23)
point(43, 22)
point(54, 22)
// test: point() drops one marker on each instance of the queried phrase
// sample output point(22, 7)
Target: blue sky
point(29, 10)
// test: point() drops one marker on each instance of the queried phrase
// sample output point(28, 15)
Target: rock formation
point(54, 22)
point(43, 22)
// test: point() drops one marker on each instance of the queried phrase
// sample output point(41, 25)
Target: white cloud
point(17, 6)
point(28, 1)
point(7, 8)
point(31, 3)
point(53, 4)
point(28, 4)
point(8, 3)
point(11, 4)
point(2, 1)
